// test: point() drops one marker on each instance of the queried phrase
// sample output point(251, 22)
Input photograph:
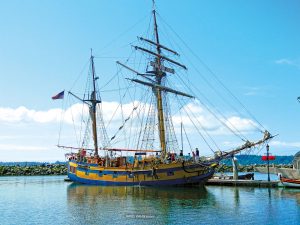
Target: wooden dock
point(246, 183)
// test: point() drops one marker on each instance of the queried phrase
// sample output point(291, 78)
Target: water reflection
point(168, 205)
point(148, 204)
point(290, 193)
point(236, 192)
point(79, 192)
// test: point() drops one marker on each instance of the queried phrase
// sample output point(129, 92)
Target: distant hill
point(256, 159)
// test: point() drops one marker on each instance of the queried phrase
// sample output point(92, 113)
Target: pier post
point(235, 168)
point(268, 162)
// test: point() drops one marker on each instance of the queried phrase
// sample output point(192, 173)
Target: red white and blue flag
point(59, 95)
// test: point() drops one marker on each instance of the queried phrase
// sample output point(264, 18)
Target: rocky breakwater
point(284, 170)
point(251, 168)
point(34, 170)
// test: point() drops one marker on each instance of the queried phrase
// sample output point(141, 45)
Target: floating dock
point(67, 179)
point(247, 183)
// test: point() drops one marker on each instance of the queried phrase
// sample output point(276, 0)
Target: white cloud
point(251, 91)
point(240, 124)
point(6, 137)
point(291, 62)
point(71, 115)
point(284, 147)
point(205, 120)
point(12, 147)
point(22, 114)
point(194, 115)
point(74, 113)
point(32, 132)
point(286, 144)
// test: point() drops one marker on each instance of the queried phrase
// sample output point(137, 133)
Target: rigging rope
point(217, 79)
point(123, 33)
point(188, 140)
point(212, 140)
point(199, 132)
point(122, 126)
point(236, 132)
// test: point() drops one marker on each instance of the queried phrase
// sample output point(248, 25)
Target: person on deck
point(156, 155)
point(172, 157)
point(197, 155)
point(168, 157)
point(194, 155)
point(181, 153)
point(82, 154)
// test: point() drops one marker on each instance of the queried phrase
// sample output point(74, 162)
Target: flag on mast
point(59, 95)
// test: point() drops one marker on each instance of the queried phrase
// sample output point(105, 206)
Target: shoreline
point(61, 169)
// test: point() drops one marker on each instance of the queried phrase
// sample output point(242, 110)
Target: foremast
point(93, 108)
point(97, 126)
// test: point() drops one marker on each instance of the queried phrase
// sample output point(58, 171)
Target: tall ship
point(151, 155)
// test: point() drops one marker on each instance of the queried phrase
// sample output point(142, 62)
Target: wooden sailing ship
point(146, 167)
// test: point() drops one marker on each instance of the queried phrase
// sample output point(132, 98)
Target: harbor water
point(50, 200)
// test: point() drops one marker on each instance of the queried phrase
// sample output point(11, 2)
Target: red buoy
point(265, 158)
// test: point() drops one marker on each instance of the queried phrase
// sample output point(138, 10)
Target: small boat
point(156, 156)
point(287, 182)
point(247, 176)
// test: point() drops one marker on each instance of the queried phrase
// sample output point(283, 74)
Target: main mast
point(159, 72)
point(158, 93)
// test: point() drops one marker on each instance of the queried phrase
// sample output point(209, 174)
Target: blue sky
point(252, 46)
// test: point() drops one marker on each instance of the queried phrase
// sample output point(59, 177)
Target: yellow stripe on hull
point(165, 172)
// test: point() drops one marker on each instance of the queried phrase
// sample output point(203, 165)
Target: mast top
point(92, 53)
point(153, 5)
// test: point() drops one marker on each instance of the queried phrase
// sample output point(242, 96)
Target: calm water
point(50, 200)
